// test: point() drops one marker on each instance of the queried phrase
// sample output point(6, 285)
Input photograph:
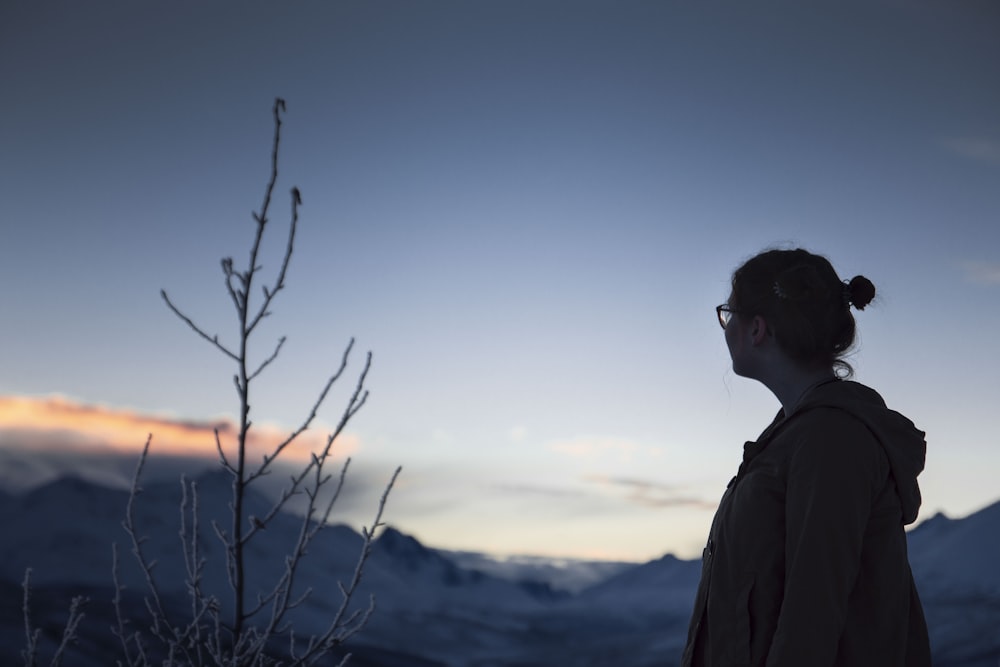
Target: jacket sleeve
point(833, 478)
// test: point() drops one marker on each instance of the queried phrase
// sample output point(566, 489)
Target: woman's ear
point(758, 330)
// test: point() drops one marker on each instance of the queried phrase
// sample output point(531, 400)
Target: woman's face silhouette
point(743, 338)
point(734, 339)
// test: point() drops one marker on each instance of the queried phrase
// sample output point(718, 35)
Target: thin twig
point(194, 564)
point(222, 454)
point(117, 603)
point(266, 362)
point(279, 283)
point(214, 340)
point(161, 627)
point(30, 651)
point(315, 409)
point(69, 631)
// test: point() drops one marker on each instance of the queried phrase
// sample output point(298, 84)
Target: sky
point(527, 211)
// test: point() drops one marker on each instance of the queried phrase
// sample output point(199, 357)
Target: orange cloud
point(55, 423)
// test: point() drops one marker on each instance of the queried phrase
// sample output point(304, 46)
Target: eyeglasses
point(724, 313)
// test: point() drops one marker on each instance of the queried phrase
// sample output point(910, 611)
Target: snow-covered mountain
point(956, 563)
point(435, 607)
point(562, 574)
point(961, 554)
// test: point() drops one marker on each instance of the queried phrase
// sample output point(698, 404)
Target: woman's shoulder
point(828, 434)
point(822, 422)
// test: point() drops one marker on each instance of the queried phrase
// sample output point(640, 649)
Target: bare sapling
point(247, 628)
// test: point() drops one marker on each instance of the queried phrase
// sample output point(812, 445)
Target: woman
point(806, 561)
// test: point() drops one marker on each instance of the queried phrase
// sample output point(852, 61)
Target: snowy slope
point(956, 563)
point(63, 530)
point(663, 585)
point(949, 555)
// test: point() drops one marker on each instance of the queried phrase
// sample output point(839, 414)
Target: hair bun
point(859, 292)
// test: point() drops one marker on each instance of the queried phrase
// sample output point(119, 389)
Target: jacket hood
point(903, 442)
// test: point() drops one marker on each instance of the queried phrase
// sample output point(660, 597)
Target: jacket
point(806, 562)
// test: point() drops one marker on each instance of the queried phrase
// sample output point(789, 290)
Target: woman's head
point(805, 304)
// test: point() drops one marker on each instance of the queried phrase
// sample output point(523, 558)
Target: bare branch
point(161, 625)
point(214, 340)
point(279, 597)
point(274, 355)
point(261, 218)
point(279, 106)
point(315, 409)
point(336, 492)
point(279, 283)
point(69, 632)
point(119, 631)
point(222, 454)
point(194, 564)
point(238, 296)
point(30, 652)
point(31, 647)
point(339, 628)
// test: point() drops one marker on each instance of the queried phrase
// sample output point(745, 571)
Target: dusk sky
point(526, 210)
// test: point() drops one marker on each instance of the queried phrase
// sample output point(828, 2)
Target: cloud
point(647, 493)
point(54, 427)
point(592, 448)
point(558, 501)
point(982, 273)
point(42, 439)
point(538, 490)
point(593, 496)
point(974, 148)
